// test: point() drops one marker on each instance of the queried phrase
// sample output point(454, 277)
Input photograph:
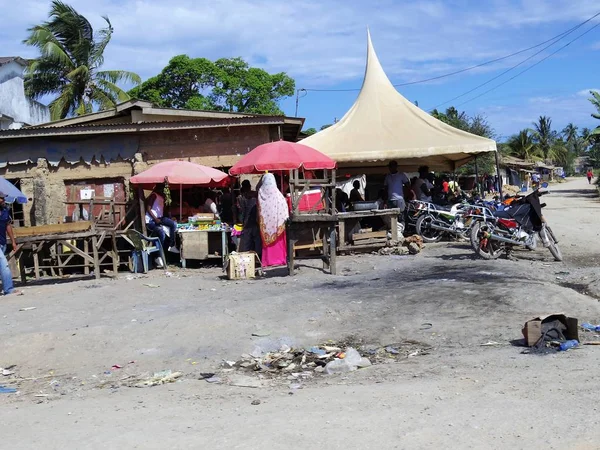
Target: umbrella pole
point(180, 203)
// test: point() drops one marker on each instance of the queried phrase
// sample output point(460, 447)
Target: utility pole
point(298, 98)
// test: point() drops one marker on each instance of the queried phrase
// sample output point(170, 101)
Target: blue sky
point(322, 45)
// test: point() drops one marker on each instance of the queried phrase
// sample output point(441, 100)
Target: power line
point(518, 64)
point(555, 38)
point(530, 67)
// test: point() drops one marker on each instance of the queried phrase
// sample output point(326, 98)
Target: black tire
point(488, 249)
point(553, 247)
point(424, 229)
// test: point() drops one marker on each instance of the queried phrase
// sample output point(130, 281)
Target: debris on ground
point(150, 285)
point(298, 364)
point(28, 308)
point(255, 402)
point(163, 377)
point(7, 390)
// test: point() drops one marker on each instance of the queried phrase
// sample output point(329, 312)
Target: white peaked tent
point(382, 126)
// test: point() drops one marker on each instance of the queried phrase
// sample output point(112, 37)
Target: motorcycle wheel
point(484, 247)
point(424, 229)
point(553, 247)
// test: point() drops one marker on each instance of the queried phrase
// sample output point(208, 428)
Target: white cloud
point(317, 42)
point(562, 109)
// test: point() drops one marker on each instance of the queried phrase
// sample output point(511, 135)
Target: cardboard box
point(532, 330)
point(241, 266)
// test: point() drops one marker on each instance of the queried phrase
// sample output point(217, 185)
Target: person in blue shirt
point(6, 229)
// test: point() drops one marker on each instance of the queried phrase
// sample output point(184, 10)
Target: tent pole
point(498, 174)
point(477, 177)
point(180, 203)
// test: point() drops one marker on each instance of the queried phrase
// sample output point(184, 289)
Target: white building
point(16, 109)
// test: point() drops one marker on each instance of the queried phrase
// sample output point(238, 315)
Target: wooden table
point(323, 225)
point(58, 247)
point(348, 220)
point(203, 244)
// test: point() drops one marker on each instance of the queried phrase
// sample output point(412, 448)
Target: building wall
point(14, 102)
point(44, 184)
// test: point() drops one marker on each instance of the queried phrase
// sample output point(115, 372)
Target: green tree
point(523, 146)
point(595, 100)
point(224, 85)
point(477, 125)
point(544, 136)
point(309, 131)
point(323, 127)
point(68, 67)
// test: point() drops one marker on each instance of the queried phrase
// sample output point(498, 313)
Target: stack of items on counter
point(202, 222)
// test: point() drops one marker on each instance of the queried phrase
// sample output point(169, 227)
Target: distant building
point(16, 109)
point(581, 164)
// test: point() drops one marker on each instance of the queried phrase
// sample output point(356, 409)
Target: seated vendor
point(155, 219)
point(209, 204)
point(355, 195)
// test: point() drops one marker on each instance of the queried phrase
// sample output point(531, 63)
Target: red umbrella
point(282, 155)
point(182, 173)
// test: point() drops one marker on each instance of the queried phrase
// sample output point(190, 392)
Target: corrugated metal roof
point(7, 59)
point(38, 131)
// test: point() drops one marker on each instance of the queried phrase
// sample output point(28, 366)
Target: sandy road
point(461, 395)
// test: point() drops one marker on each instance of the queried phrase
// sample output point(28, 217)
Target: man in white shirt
point(394, 183)
point(155, 207)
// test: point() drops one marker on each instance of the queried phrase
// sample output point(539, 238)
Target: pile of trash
point(322, 359)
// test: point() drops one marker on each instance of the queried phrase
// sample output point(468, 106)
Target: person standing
point(590, 175)
point(273, 213)
point(250, 238)
point(423, 186)
point(394, 183)
point(6, 228)
point(155, 219)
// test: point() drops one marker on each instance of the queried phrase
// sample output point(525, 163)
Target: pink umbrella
point(282, 155)
point(182, 173)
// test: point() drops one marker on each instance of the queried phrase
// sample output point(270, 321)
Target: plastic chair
point(143, 247)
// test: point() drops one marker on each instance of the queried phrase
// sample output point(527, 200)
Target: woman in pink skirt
point(273, 213)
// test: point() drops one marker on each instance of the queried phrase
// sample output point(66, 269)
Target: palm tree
point(544, 134)
point(595, 100)
point(570, 132)
point(523, 146)
point(68, 67)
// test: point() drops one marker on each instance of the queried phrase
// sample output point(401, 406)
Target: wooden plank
point(85, 256)
point(60, 228)
point(394, 228)
point(53, 237)
point(115, 254)
point(370, 235)
point(36, 263)
point(309, 246)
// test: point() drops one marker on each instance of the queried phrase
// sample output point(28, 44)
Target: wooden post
point(96, 259)
point(290, 249)
point(115, 254)
point(332, 252)
point(326, 248)
point(36, 262)
point(86, 250)
point(498, 174)
point(394, 226)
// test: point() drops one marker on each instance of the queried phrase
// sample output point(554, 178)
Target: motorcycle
point(521, 224)
point(456, 221)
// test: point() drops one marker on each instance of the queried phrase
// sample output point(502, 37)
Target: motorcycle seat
point(502, 215)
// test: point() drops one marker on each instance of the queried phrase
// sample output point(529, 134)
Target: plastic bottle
point(568, 344)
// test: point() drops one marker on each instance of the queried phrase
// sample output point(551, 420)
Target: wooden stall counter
point(203, 244)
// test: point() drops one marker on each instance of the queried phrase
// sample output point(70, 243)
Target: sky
point(322, 45)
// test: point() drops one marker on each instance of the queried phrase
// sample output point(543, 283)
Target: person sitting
point(210, 206)
point(355, 195)
point(155, 219)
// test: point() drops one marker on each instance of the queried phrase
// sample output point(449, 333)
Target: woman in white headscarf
point(273, 213)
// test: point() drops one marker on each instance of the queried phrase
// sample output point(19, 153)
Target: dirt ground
point(457, 394)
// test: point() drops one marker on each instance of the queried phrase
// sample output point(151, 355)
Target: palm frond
point(65, 104)
point(104, 99)
point(115, 90)
point(104, 35)
point(114, 76)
